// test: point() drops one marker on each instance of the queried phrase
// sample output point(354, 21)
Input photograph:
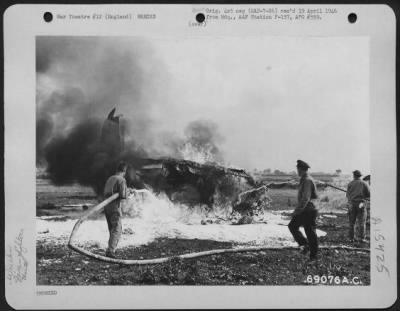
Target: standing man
point(305, 213)
point(367, 179)
point(113, 211)
point(357, 193)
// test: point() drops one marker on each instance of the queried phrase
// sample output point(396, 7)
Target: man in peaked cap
point(357, 194)
point(305, 213)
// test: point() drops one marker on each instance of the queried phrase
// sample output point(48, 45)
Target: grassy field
point(55, 200)
point(272, 267)
point(330, 200)
point(58, 265)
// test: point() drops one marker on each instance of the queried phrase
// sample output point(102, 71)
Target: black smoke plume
point(44, 128)
point(70, 158)
point(79, 81)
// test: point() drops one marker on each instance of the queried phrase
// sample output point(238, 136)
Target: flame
point(201, 154)
point(158, 208)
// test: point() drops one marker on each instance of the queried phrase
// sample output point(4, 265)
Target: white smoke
point(148, 217)
point(152, 208)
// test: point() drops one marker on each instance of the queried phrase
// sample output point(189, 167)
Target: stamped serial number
point(46, 292)
point(330, 279)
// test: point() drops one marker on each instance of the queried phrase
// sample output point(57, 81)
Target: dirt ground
point(58, 265)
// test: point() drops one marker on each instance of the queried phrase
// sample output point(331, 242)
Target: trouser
point(113, 217)
point(357, 215)
point(306, 219)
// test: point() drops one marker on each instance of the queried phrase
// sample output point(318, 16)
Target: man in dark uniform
point(357, 194)
point(305, 213)
point(115, 184)
point(367, 179)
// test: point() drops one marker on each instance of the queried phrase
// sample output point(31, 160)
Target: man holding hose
point(113, 211)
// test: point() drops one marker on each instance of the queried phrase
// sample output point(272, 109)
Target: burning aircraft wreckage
point(183, 182)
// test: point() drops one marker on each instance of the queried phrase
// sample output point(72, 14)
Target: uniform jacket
point(307, 194)
point(357, 191)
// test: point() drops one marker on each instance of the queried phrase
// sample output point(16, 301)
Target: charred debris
point(183, 181)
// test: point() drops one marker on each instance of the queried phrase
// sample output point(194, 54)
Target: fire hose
point(337, 188)
point(334, 187)
point(101, 205)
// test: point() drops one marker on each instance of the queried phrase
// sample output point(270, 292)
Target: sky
point(274, 99)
